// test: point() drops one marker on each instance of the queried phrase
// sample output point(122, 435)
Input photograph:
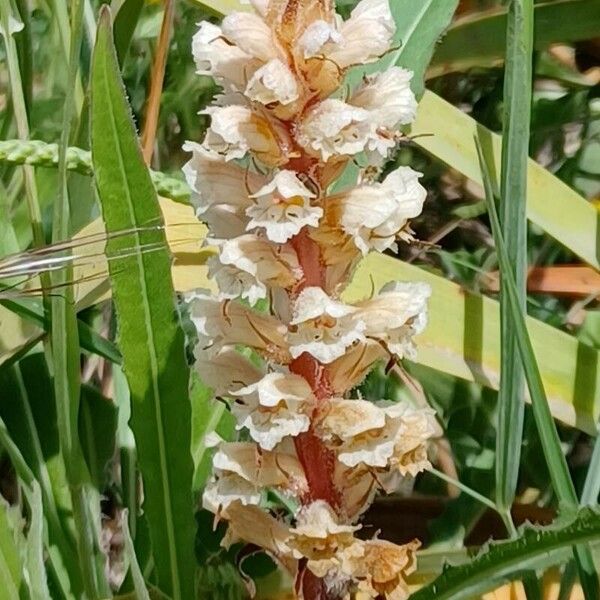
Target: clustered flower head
point(283, 130)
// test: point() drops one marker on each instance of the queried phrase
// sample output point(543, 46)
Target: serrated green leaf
point(149, 334)
point(506, 561)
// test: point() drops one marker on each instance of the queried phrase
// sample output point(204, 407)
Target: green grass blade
point(513, 192)
point(10, 560)
point(507, 561)
point(555, 459)
point(66, 352)
point(150, 337)
point(89, 339)
point(477, 40)
point(30, 438)
point(557, 464)
point(139, 585)
point(591, 488)
point(124, 27)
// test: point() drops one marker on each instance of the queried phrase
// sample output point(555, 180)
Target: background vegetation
point(89, 411)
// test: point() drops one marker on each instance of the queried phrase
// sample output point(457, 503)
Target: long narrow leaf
point(149, 335)
point(513, 192)
point(555, 459)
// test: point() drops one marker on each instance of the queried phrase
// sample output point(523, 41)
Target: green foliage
point(534, 549)
point(135, 438)
point(513, 192)
point(149, 335)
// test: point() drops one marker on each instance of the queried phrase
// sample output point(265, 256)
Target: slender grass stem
point(513, 193)
point(466, 489)
point(555, 459)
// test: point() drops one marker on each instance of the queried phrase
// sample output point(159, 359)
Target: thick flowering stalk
point(283, 130)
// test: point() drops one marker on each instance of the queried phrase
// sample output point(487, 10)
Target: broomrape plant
point(283, 130)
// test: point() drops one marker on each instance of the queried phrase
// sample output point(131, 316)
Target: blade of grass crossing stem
point(150, 337)
point(513, 192)
point(555, 459)
point(66, 355)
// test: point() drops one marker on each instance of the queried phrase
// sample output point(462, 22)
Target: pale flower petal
point(280, 469)
point(273, 83)
point(236, 130)
point(390, 436)
point(324, 328)
point(375, 214)
point(316, 36)
point(381, 568)
point(216, 182)
point(388, 97)
point(235, 283)
point(228, 64)
point(334, 128)
point(313, 302)
point(346, 419)
point(318, 535)
point(253, 525)
point(225, 372)
point(258, 264)
point(396, 315)
point(222, 491)
point(250, 33)
point(276, 407)
point(282, 208)
point(227, 323)
point(366, 35)
point(350, 370)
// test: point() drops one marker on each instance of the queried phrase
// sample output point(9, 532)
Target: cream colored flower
point(226, 371)
point(248, 264)
point(282, 208)
point(334, 128)
point(384, 436)
point(388, 97)
point(250, 33)
point(362, 39)
point(323, 327)
point(318, 36)
point(381, 568)
point(396, 315)
point(215, 57)
point(349, 370)
point(318, 535)
point(242, 470)
point(227, 323)
point(220, 191)
point(274, 408)
point(273, 83)
point(375, 214)
point(236, 130)
point(357, 430)
point(251, 524)
point(416, 428)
